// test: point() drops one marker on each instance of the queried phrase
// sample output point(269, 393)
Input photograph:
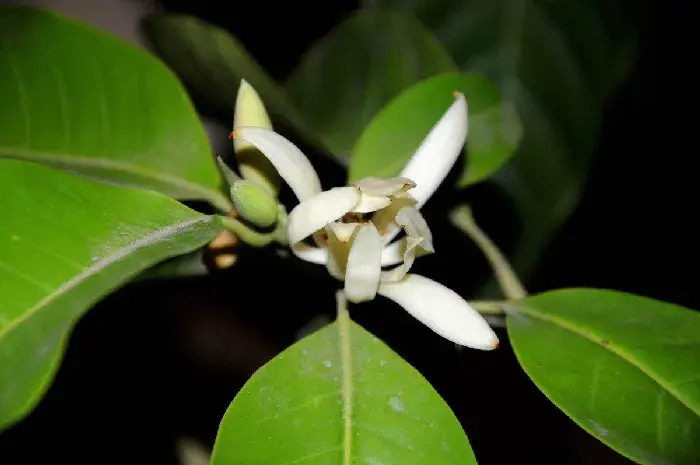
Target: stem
point(510, 284)
point(246, 234)
point(488, 307)
point(221, 202)
point(345, 363)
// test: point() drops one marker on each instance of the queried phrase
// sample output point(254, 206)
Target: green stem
point(246, 234)
point(488, 307)
point(510, 284)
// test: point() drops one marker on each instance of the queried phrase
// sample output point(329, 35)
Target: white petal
point(364, 265)
point(311, 254)
point(318, 211)
point(384, 186)
point(442, 310)
point(291, 164)
point(371, 203)
point(438, 152)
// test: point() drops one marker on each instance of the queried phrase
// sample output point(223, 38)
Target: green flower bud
point(254, 203)
point(253, 165)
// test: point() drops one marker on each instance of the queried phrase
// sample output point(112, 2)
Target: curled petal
point(384, 187)
point(409, 256)
point(371, 203)
point(291, 164)
point(442, 310)
point(318, 211)
point(418, 241)
point(410, 219)
point(364, 264)
point(438, 152)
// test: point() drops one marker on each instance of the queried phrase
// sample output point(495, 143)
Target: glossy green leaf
point(390, 139)
point(212, 63)
point(65, 242)
point(556, 62)
point(336, 397)
point(79, 99)
point(624, 367)
point(348, 76)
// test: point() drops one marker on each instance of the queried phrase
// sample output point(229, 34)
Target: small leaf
point(390, 139)
point(64, 243)
point(624, 367)
point(346, 78)
point(556, 62)
point(340, 396)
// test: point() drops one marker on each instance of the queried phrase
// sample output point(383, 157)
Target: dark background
point(159, 360)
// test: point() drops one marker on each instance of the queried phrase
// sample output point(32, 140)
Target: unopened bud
point(253, 165)
point(254, 204)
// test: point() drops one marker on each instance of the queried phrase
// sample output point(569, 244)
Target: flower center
point(352, 217)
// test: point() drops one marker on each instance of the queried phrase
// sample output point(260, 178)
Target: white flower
point(353, 227)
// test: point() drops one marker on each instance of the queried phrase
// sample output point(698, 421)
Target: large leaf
point(64, 243)
point(346, 78)
point(79, 99)
point(336, 397)
point(624, 367)
point(556, 62)
point(390, 139)
point(212, 63)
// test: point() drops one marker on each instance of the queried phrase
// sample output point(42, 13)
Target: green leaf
point(556, 62)
point(79, 99)
point(212, 63)
point(346, 78)
point(339, 396)
point(390, 139)
point(64, 243)
point(624, 367)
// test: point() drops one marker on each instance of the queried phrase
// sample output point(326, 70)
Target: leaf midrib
point(212, 195)
point(160, 235)
point(346, 376)
point(591, 336)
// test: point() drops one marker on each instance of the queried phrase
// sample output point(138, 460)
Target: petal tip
point(457, 95)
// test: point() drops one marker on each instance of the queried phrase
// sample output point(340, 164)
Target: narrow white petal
point(318, 211)
point(442, 310)
point(438, 152)
point(364, 265)
point(291, 164)
point(371, 203)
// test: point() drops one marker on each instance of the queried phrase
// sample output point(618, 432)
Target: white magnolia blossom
point(352, 228)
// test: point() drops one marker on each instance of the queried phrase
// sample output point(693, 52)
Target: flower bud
point(253, 165)
point(253, 203)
